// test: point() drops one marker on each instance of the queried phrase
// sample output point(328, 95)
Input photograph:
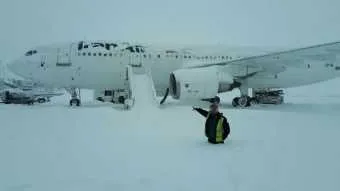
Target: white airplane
point(184, 73)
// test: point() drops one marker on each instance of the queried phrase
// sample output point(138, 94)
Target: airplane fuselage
point(102, 65)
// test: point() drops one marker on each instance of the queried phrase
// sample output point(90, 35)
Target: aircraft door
point(66, 67)
point(64, 56)
point(136, 58)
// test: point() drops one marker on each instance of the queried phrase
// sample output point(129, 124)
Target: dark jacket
point(211, 126)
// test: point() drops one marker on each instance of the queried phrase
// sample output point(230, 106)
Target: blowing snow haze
point(127, 121)
point(25, 24)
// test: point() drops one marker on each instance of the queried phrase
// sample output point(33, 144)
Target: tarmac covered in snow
point(294, 146)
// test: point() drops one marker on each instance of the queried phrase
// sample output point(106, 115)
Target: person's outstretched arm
point(201, 111)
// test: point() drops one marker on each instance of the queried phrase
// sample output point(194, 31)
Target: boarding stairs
point(141, 86)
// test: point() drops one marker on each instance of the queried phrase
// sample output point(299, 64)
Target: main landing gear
point(75, 96)
point(260, 96)
point(244, 100)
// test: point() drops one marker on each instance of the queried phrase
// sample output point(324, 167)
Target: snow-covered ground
point(294, 146)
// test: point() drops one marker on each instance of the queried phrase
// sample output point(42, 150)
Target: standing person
point(216, 125)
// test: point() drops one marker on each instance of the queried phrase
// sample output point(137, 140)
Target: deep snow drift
point(294, 146)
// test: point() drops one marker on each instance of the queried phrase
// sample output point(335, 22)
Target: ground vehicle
point(115, 96)
point(267, 97)
point(17, 98)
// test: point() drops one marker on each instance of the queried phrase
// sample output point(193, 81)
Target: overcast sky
point(27, 23)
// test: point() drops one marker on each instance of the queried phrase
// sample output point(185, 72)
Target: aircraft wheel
point(121, 99)
point(41, 100)
point(75, 102)
point(253, 101)
point(234, 103)
point(244, 101)
point(128, 103)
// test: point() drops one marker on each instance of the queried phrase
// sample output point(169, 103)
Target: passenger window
point(99, 54)
point(89, 54)
point(84, 54)
point(176, 56)
point(105, 54)
point(110, 54)
point(144, 55)
point(79, 54)
point(222, 57)
point(159, 56)
point(185, 56)
point(94, 54)
point(189, 57)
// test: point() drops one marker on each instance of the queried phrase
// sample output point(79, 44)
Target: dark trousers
point(214, 142)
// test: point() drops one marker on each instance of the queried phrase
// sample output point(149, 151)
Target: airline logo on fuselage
point(107, 46)
point(111, 46)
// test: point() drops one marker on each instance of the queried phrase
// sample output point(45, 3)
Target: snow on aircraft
point(185, 73)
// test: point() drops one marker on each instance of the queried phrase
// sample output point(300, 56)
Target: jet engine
point(198, 83)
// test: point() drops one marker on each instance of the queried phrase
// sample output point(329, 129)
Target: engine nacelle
point(197, 83)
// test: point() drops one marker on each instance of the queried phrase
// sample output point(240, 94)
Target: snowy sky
point(25, 24)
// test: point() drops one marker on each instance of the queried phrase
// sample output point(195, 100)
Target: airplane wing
point(276, 62)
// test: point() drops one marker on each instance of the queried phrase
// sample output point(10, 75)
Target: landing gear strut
point(75, 96)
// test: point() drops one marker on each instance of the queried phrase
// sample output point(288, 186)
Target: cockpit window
point(31, 52)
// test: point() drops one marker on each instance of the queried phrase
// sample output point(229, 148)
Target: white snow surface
point(294, 146)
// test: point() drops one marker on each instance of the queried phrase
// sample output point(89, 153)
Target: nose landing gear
point(75, 96)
